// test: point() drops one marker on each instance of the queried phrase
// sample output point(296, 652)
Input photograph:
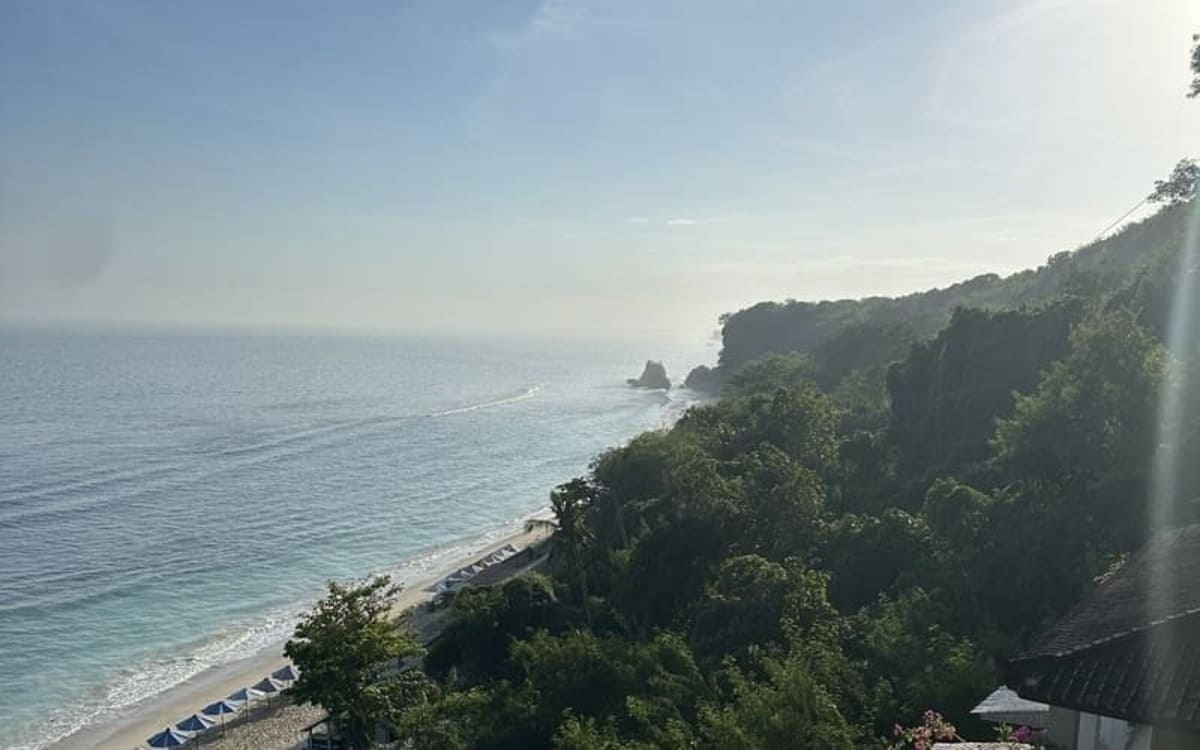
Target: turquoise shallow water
point(170, 502)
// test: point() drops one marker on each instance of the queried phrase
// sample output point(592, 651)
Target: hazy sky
point(562, 165)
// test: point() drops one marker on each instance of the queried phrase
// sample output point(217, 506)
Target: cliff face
point(654, 375)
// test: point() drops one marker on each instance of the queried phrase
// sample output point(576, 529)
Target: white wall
point(1105, 733)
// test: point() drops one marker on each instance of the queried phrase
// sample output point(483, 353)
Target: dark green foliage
point(780, 506)
point(1088, 432)
point(752, 602)
point(799, 421)
point(844, 335)
point(597, 677)
point(787, 708)
point(484, 622)
point(916, 663)
point(668, 570)
point(858, 347)
point(872, 555)
point(570, 504)
point(862, 400)
point(956, 512)
point(867, 472)
point(344, 649)
point(822, 554)
point(1180, 186)
point(772, 372)
point(947, 395)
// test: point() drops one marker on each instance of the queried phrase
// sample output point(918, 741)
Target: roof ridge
point(1111, 638)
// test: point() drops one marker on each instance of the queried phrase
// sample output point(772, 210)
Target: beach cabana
point(169, 737)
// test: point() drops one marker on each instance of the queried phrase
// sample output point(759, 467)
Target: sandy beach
point(280, 726)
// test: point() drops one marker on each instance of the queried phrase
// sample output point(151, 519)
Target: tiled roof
point(1150, 677)
point(1131, 649)
point(1160, 582)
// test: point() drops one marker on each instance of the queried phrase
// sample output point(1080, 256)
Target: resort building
point(1122, 670)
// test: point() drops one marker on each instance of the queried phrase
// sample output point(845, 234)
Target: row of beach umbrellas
point(214, 713)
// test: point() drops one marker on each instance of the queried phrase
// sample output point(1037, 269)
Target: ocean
point(171, 502)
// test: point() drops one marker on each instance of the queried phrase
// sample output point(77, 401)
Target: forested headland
point(890, 498)
point(864, 526)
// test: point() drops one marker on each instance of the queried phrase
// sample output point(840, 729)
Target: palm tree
point(569, 503)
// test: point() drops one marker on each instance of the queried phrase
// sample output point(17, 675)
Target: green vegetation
point(891, 497)
point(349, 653)
point(802, 565)
point(833, 548)
point(1180, 186)
point(845, 336)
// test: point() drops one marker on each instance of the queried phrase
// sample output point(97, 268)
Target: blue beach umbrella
point(287, 674)
point(245, 695)
point(195, 723)
point(220, 709)
point(168, 738)
point(267, 686)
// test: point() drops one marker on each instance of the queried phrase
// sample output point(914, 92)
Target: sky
point(562, 166)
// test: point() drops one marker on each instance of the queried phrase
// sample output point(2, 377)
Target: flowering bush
point(1025, 735)
point(933, 728)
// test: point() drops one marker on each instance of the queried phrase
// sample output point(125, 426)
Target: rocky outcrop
point(703, 379)
point(654, 375)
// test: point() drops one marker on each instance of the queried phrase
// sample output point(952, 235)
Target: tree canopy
point(1180, 186)
point(890, 498)
point(348, 652)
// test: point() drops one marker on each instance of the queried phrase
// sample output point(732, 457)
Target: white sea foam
point(238, 641)
point(144, 681)
point(525, 395)
point(154, 493)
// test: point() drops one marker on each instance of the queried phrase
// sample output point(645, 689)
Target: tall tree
point(1085, 436)
point(1180, 186)
point(570, 502)
point(348, 652)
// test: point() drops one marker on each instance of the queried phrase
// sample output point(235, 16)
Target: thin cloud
point(552, 21)
point(680, 221)
point(967, 47)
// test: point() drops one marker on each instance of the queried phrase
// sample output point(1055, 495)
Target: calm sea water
point(170, 502)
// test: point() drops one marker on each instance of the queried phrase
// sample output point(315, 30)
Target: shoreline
point(141, 720)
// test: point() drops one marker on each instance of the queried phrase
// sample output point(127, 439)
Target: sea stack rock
point(703, 379)
point(654, 375)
